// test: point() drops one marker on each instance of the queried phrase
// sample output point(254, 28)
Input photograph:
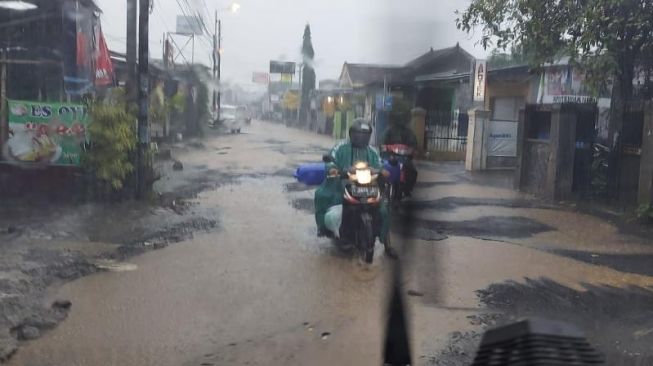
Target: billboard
point(260, 78)
point(46, 133)
point(189, 25)
point(281, 67)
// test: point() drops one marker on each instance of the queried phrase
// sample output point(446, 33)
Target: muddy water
point(236, 295)
point(251, 285)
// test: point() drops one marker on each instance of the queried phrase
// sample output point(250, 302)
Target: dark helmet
point(360, 133)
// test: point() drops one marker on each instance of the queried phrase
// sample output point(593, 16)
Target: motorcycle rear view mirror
point(328, 159)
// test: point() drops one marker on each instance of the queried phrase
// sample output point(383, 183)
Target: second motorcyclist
point(400, 133)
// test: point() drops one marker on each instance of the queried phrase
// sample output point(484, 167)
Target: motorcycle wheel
point(395, 195)
point(366, 238)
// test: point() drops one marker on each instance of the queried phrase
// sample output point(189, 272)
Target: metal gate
point(444, 133)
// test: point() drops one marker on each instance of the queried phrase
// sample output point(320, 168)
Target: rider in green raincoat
point(328, 197)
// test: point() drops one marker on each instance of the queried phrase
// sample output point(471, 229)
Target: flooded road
point(261, 289)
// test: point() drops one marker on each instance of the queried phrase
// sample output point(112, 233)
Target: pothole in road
point(488, 226)
point(304, 204)
point(418, 233)
point(297, 187)
point(276, 142)
point(452, 203)
point(629, 263)
point(115, 266)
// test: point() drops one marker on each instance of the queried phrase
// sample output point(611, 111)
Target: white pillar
point(476, 157)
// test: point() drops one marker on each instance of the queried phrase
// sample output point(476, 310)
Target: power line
point(199, 17)
point(206, 7)
point(161, 19)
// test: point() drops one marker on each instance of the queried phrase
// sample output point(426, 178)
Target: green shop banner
point(47, 133)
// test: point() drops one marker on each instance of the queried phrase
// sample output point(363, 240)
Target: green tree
point(308, 73)
point(601, 37)
point(500, 58)
point(113, 139)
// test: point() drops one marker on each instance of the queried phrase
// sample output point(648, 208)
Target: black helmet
point(360, 133)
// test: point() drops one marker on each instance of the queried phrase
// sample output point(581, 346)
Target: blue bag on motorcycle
point(312, 174)
point(395, 171)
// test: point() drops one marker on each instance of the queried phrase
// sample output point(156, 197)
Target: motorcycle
point(600, 182)
point(395, 158)
point(360, 208)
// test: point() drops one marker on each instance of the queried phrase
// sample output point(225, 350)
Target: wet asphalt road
point(261, 289)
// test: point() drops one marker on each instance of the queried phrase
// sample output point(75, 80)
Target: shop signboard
point(480, 80)
point(46, 133)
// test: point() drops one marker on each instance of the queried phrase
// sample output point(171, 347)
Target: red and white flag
point(103, 65)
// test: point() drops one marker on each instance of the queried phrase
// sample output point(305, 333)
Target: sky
point(371, 31)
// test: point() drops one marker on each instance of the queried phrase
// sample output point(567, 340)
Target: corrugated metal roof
point(448, 75)
point(363, 74)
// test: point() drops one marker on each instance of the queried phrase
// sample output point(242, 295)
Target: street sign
point(384, 103)
point(480, 80)
point(281, 67)
point(189, 25)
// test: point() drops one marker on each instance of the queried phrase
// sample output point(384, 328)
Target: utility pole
point(143, 163)
point(300, 93)
point(4, 128)
point(215, 63)
point(219, 55)
point(132, 34)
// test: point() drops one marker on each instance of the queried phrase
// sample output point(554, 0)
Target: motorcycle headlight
point(364, 176)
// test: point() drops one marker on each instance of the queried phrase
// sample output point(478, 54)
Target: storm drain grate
point(536, 342)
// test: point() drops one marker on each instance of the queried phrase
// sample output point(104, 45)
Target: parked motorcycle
point(360, 208)
point(395, 158)
point(600, 182)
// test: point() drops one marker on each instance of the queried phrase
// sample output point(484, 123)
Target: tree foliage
point(308, 73)
point(500, 58)
point(601, 37)
point(112, 140)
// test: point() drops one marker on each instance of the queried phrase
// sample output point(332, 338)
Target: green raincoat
point(330, 193)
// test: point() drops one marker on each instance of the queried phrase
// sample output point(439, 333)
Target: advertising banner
point(502, 138)
point(564, 84)
point(47, 133)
